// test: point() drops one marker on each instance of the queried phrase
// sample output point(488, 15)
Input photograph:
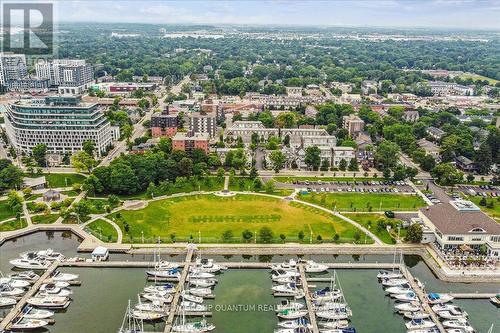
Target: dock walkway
point(310, 309)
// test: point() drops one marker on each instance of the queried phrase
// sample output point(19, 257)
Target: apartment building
point(189, 141)
point(353, 124)
point(12, 67)
point(439, 88)
point(71, 76)
point(203, 123)
point(164, 124)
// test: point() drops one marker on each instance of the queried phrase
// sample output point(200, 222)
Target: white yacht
point(435, 298)
point(207, 265)
point(23, 324)
point(152, 307)
point(292, 314)
point(147, 315)
point(167, 288)
point(416, 315)
point(52, 302)
point(335, 324)
point(287, 305)
point(34, 264)
point(419, 324)
point(191, 298)
point(334, 314)
point(293, 324)
point(158, 297)
point(34, 313)
point(165, 273)
point(65, 292)
point(451, 308)
point(47, 254)
point(193, 327)
point(408, 297)
point(63, 277)
point(458, 323)
point(313, 267)
point(25, 275)
point(14, 283)
point(289, 289)
point(287, 265)
point(280, 273)
point(198, 274)
point(202, 283)
point(201, 292)
point(399, 290)
point(7, 301)
point(326, 294)
point(8, 291)
point(387, 274)
point(408, 307)
point(394, 282)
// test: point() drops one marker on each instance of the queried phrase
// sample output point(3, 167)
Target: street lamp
point(142, 236)
point(199, 236)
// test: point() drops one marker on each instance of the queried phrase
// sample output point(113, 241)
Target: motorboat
point(455, 330)
point(147, 315)
point(152, 307)
point(202, 283)
point(327, 306)
point(453, 309)
point(54, 285)
point(293, 324)
point(158, 297)
point(52, 302)
point(48, 254)
point(408, 307)
point(289, 289)
point(65, 292)
point(25, 275)
point(334, 314)
point(208, 265)
point(193, 307)
point(34, 313)
point(7, 301)
point(23, 324)
point(32, 264)
point(416, 315)
point(63, 277)
point(6, 291)
point(288, 279)
point(495, 300)
point(326, 294)
point(50, 288)
point(197, 274)
point(458, 323)
point(287, 305)
point(416, 324)
point(394, 282)
point(408, 297)
point(201, 292)
point(194, 327)
point(286, 265)
point(425, 330)
point(335, 324)
point(292, 314)
point(386, 274)
point(399, 290)
point(435, 298)
point(449, 315)
point(340, 330)
point(280, 273)
point(168, 288)
point(14, 283)
point(191, 298)
point(313, 267)
point(173, 273)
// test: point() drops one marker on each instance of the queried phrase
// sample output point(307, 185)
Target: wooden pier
point(310, 308)
point(473, 295)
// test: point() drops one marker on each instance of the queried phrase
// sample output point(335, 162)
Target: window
point(495, 239)
point(478, 230)
point(455, 238)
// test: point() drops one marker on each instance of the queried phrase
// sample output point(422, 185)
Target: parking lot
point(480, 190)
point(351, 186)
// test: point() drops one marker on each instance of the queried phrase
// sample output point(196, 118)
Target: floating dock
point(310, 309)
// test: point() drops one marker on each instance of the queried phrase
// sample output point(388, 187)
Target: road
point(406, 160)
point(178, 87)
point(438, 191)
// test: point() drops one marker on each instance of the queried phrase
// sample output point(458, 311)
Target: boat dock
point(473, 295)
point(310, 310)
point(6, 322)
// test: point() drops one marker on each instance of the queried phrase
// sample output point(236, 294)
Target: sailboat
point(391, 274)
point(194, 327)
point(337, 308)
point(131, 324)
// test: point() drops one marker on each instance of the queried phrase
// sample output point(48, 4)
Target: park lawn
point(70, 193)
point(13, 225)
point(97, 206)
point(59, 179)
point(5, 211)
point(32, 197)
point(493, 212)
point(211, 215)
point(362, 202)
point(246, 184)
point(475, 76)
point(381, 233)
point(44, 219)
point(290, 179)
point(103, 230)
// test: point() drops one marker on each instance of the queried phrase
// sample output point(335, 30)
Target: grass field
point(360, 202)
point(478, 77)
point(44, 219)
point(246, 184)
point(59, 179)
point(13, 225)
point(103, 230)
point(210, 216)
point(371, 222)
point(493, 212)
point(5, 212)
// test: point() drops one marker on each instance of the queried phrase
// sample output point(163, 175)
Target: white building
point(342, 153)
point(71, 76)
point(12, 67)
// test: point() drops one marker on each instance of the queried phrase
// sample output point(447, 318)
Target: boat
point(65, 292)
point(202, 283)
point(173, 273)
point(208, 265)
point(23, 324)
point(340, 330)
point(51, 288)
point(293, 330)
point(7, 301)
point(334, 314)
point(288, 279)
point(416, 315)
point(47, 254)
point(458, 323)
point(14, 283)
point(419, 324)
point(131, 324)
point(332, 306)
point(386, 274)
point(335, 324)
point(289, 289)
point(313, 267)
point(63, 277)
point(280, 273)
point(32, 264)
point(52, 302)
point(453, 309)
point(425, 330)
point(287, 305)
point(147, 315)
point(495, 300)
point(201, 292)
point(393, 282)
point(25, 275)
point(293, 324)
point(292, 314)
point(151, 307)
point(455, 330)
point(408, 297)
point(399, 290)
point(193, 307)
point(449, 315)
point(52, 285)
point(168, 288)
point(194, 327)
point(408, 307)
point(158, 297)
point(286, 265)
point(435, 298)
point(6, 291)
point(197, 274)
point(34, 313)
point(326, 294)
point(191, 298)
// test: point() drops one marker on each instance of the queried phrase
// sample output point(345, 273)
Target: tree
point(414, 233)
point(278, 159)
point(82, 209)
point(266, 235)
point(82, 161)
point(88, 146)
point(470, 178)
point(484, 158)
point(269, 186)
point(253, 173)
point(227, 235)
point(39, 152)
point(282, 237)
point(127, 131)
point(247, 235)
point(353, 164)
point(312, 157)
point(447, 174)
point(301, 235)
point(10, 175)
point(15, 201)
point(92, 185)
point(387, 154)
point(286, 120)
point(342, 165)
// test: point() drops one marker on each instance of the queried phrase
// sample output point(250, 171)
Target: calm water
point(98, 305)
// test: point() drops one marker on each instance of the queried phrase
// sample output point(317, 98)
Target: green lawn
point(32, 197)
point(5, 212)
point(59, 179)
point(103, 230)
point(361, 202)
point(185, 217)
point(13, 225)
point(475, 76)
point(493, 212)
point(97, 206)
point(246, 184)
point(70, 193)
point(372, 221)
point(288, 179)
point(44, 219)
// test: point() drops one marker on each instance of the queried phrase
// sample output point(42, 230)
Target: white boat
point(287, 305)
point(6, 291)
point(14, 283)
point(147, 315)
point(167, 288)
point(65, 292)
point(173, 273)
point(50, 288)
point(458, 323)
point(399, 290)
point(202, 283)
point(408, 297)
point(34, 313)
point(286, 265)
point(425, 330)
point(63, 277)
point(289, 289)
point(26, 275)
point(333, 314)
point(53, 302)
point(7, 301)
point(326, 294)
point(54, 285)
point(327, 306)
point(293, 330)
point(293, 324)
point(386, 274)
point(191, 298)
point(208, 265)
point(280, 273)
point(335, 324)
point(449, 315)
point(288, 279)
point(201, 292)
point(152, 307)
point(419, 324)
point(435, 298)
point(313, 267)
point(192, 307)
point(453, 309)
point(33, 264)
point(23, 324)
point(47, 254)
point(393, 282)
point(197, 274)
point(455, 330)
point(194, 327)
point(416, 315)
point(131, 324)
point(162, 264)
point(291, 314)
point(158, 297)
point(340, 330)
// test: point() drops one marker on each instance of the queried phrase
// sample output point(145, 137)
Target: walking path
point(226, 183)
point(115, 226)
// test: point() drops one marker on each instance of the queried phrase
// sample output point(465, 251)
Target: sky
point(466, 14)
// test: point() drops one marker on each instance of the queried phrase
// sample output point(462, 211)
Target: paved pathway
point(226, 183)
point(101, 217)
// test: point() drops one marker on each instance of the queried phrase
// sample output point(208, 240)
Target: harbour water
point(243, 301)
